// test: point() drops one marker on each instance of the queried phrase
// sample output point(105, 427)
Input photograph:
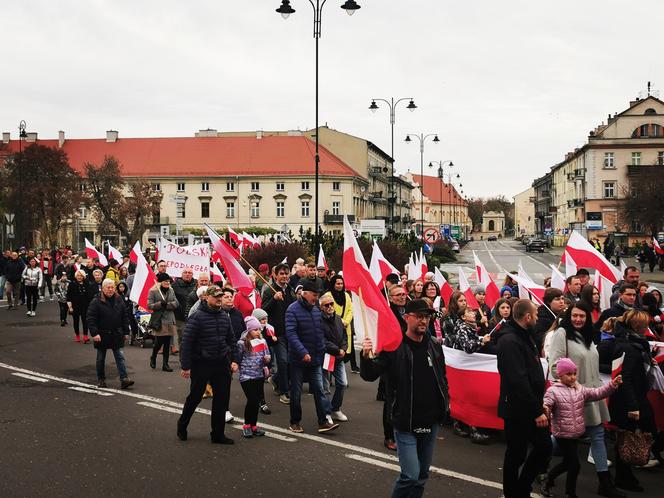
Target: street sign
point(431, 235)
point(9, 217)
point(165, 230)
point(445, 230)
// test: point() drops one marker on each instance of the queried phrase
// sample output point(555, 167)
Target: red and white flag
point(658, 248)
point(535, 291)
point(414, 269)
point(114, 253)
point(557, 279)
point(423, 264)
point(379, 266)
point(372, 315)
point(258, 345)
point(235, 237)
point(235, 273)
point(144, 278)
point(604, 286)
point(658, 349)
point(446, 289)
point(92, 253)
point(586, 256)
point(570, 266)
point(467, 291)
point(284, 261)
point(328, 362)
point(491, 291)
point(617, 365)
point(216, 274)
point(321, 258)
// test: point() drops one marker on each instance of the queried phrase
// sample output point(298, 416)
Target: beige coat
point(168, 327)
point(587, 362)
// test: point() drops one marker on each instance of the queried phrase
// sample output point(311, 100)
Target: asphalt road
point(61, 436)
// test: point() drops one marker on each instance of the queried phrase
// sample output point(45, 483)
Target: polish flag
point(446, 289)
point(570, 266)
point(649, 334)
point(604, 286)
point(321, 258)
point(535, 291)
point(372, 315)
point(144, 278)
point(474, 387)
point(491, 290)
point(114, 253)
point(216, 275)
point(284, 261)
point(498, 326)
point(658, 348)
point(586, 256)
point(658, 248)
point(466, 290)
point(423, 264)
point(522, 289)
point(235, 237)
point(557, 279)
point(414, 269)
point(258, 345)
point(328, 362)
point(617, 365)
point(236, 274)
point(92, 253)
point(379, 266)
point(246, 240)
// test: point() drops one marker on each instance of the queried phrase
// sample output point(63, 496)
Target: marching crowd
point(297, 327)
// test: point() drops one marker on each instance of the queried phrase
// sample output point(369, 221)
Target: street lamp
point(441, 175)
point(22, 135)
point(422, 138)
point(392, 104)
point(285, 9)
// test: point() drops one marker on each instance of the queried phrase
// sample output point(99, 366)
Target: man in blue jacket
point(306, 349)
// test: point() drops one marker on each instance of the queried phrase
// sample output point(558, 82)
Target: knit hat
point(263, 268)
point(565, 366)
point(259, 313)
point(163, 277)
point(506, 288)
point(252, 323)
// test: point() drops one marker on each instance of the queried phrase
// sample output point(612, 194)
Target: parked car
point(536, 245)
point(492, 238)
point(454, 244)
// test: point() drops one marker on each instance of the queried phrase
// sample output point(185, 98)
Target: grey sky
point(509, 86)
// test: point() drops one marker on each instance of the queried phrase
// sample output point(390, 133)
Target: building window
point(608, 160)
point(230, 187)
point(180, 211)
point(180, 187)
point(81, 187)
point(336, 186)
point(82, 212)
point(230, 209)
point(636, 158)
point(305, 185)
point(205, 186)
point(255, 186)
point(305, 209)
point(280, 209)
point(336, 208)
point(156, 187)
point(609, 190)
point(280, 186)
point(205, 209)
point(255, 209)
point(660, 158)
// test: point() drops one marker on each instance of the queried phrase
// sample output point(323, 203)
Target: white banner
point(177, 258)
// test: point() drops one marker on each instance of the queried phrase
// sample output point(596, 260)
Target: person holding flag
point(416, 372)
point(336, 343)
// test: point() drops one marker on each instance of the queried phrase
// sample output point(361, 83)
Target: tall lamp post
point(285, 9)
point(441, 175)
point(22, 135)
point(422, 138)
point(392, 104)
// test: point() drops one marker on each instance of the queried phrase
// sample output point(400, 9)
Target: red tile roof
point(204, 157)
point(431, 189)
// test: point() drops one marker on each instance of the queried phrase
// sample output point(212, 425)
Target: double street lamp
point(422, 138)
point(392, 104)
point(285, 9)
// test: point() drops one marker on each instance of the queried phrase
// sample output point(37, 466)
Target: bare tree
point(644, 198)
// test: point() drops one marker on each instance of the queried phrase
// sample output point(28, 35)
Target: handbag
point(155, 320)
point(634, 447)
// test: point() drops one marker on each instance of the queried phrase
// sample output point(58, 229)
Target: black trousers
point(84, 321)
point(159, 341)
point(570, 464)
point(519, 435)
point(63, 311)
point(218, 375)
point(31, 296)
point(253, 390)
point(353, 354)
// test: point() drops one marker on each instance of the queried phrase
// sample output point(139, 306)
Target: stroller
point(143, 333)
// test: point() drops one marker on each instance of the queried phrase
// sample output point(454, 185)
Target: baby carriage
point(143, 333)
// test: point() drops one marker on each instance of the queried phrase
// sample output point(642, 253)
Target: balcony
point(337, 219)
point(376, 195)
point(577, 174)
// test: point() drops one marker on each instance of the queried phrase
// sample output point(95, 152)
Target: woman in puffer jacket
point(32, 280)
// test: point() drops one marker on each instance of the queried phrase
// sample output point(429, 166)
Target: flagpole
point(364, 321)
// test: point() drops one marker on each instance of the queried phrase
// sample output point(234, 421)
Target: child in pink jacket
point(563, 404)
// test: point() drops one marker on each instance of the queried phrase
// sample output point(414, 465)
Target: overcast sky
point(509, 86)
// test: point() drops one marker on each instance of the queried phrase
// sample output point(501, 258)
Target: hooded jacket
point(567, 406)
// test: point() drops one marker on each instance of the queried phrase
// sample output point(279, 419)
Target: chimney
point(32, 136)
point(634, 102)
point(6, 137)
point(111, 136)
point(61, 138)
point(210, 132)
point(259, 134)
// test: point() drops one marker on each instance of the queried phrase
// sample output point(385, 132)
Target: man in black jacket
point(554, 301)
point(13, 271)
point(208, 354)
point(522, 386)
point(627, 296)
point(336, 343)
point(183, 286)
point(416, 371)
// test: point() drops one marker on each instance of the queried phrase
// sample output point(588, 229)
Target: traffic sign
point(9, 217)
point(431, 234)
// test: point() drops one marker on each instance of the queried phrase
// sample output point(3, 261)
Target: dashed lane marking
point(31, 377)
point(98, 392)
point(318, 439)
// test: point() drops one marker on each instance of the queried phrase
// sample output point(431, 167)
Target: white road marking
point(538, 262)
point(493, 259)
point(159, 407)
point(435, 470)
point(90, 391)
point(310, 437)
point(31, 377)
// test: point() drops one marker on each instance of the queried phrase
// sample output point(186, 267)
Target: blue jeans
point(340, 383)
point(415, 452)
point(315, 375)
point(281, 353)
point(598, 447)
point(118, 354)
point(3, 279)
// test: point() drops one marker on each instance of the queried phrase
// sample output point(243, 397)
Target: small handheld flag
point(258, 345)
point(616, 366)
point(328, 362)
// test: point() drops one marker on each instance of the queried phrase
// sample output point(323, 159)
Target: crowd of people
point(297, 327)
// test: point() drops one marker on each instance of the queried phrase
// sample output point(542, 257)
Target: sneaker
point(265, 410)
point(295, 428)
point(33, 313)
point(229, 417)
point(222, 440)
point(651, 463)
point(101, 383)
point(459, 430)
point(246, 431)
point(326, 427)
point(181, 432)
point(77, 338)
point(62, 323)
point(591, 461)
point(390, 444)
point(28, 313)
point(126, 382)
point(545, 489)
point(86, 339)
point(339, 415)
point(257, 431)
point(284, 399)
point(275, 388)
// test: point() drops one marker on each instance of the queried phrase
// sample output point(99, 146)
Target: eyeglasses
point(401, 294)
point(327, 305)
point(419, 316)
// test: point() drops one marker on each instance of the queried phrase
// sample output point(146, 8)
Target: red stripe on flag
point(474, 397)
